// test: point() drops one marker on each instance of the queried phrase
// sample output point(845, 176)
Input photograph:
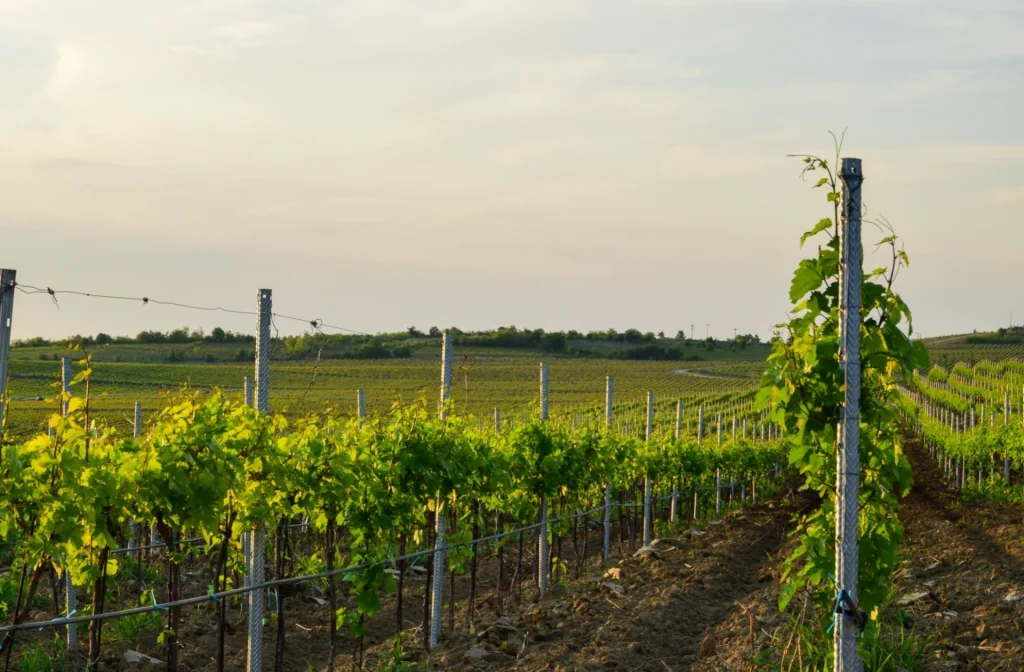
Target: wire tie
point(212, 595)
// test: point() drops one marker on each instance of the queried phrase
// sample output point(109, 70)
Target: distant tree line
point(1013, 336)
point(638, 345)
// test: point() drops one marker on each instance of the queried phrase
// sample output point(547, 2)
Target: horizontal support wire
point(216, 597)
point(180, 542)
point(145, 300)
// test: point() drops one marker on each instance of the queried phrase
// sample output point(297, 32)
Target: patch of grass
point(130, 630)
point(45, 656)
point(397, 659)
point(803, 645)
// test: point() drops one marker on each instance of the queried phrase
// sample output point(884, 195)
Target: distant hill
point(994, 346)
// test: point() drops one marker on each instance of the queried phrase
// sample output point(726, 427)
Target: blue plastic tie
point(836, 609)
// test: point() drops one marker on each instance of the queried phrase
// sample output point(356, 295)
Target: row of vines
point(369, 491)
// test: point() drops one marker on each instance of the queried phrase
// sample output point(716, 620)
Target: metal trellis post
point(440, 554)
point(673, 512)
point(136, 431)
point(848, 464)
point(543, 550)
point(648, 486)
point(71, 593)
point(1006, 420)
point(258, 535)
point(609, 400)
point(7, 285)
point(718, 473)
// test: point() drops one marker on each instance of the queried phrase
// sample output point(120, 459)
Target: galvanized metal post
point(7, 285)
point(71, 593)
point(673, 512)
point(700, 440)
point(133, 527)
point(497, 420)
point(718, 473)
point(257, 544)
point(848, 464)
point(648, 487)
point(1006, 420)
point(446, 373)
point(544, 391)
point(440, 543)
point(246, 536)
point(543, 549)
point(361, 406)
point(609, 402)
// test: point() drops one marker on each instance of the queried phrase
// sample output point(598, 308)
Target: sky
point(564, 164)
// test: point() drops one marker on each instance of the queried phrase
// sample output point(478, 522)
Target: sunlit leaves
point(803, 389)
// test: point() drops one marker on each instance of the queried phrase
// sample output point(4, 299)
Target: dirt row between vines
point(963, 575)
point(657, 610)
point(708, 603)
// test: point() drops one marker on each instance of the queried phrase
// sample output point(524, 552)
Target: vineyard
point(844, 498)
point(482, 383)
point(363, 500)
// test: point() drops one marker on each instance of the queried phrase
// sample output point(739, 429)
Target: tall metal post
point(543, 549)
point(848, 464)
point(136, 431)
point(258, 536)
point(609, 403)
point(544, 391)
point(7, 284)
point(673, 511)
point(246, 536)
point(1006, 420)
point(71, 593)
point(440, 543)
point(361, 406)
point(648, 486)
point(718, 473)
point(497, 420)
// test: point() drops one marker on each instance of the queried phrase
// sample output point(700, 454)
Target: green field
point(485, 379)
point(947, 351)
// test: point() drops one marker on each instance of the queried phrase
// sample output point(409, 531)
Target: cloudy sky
point(557, 163)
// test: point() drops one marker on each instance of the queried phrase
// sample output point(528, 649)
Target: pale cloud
point(1009, 194)
point(628, 149)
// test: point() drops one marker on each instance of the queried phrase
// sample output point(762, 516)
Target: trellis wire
point(216, 596)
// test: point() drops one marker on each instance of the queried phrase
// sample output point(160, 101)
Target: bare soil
point(656, 610)
point(967, 558)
